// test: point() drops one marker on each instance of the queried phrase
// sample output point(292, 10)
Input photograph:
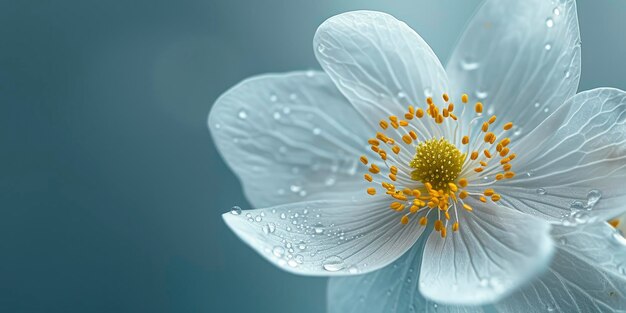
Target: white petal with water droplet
point(495, 251)
point(393, 289)
point(290, 137)
point(332, 238)
point(578, 156)
point(380, 64)
point(520, 52)
point(588, 274)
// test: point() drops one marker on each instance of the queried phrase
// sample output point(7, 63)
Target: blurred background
point(111, 190)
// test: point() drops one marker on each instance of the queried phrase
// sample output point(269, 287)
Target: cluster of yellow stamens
point(434, 177)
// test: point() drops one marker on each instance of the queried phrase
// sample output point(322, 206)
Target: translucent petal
point(588, 274)
point(290, 137)
point(392, 289)
point(326, 238)
point(380, 64)
point(521, 58)
point(571, 169)
point(495, 250)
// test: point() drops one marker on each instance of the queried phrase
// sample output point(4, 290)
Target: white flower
point(489, 170)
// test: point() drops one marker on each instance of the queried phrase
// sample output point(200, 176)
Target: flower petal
point(379, 63)
point(326, 238)
point(588, 274)
point(495, 250)
point(290, 137)
point(571, 168)
point(520, 57)
point(392, 289)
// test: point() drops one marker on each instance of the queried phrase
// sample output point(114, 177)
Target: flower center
point(437, 162)
point(444, 171)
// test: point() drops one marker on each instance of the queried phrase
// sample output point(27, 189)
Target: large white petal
point(588, 274)
point(290, 137)
point(326, 238)
point(571, 169)
point(495, 251)
point(392, 289)
point(379, 63)
point(521, 58)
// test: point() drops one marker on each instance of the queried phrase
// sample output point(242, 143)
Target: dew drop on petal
point(235, 210)
point(278, 251)
point(481, 94)
point(316, 131)
point(242, 114)
point(556, 11)
point(276, 115)
point(468, 65)
point(541, 191)
point(550, 22)
point(318, 228)
point(333, 263)
point(273, 98)
point(592, 198)
point(548, 47)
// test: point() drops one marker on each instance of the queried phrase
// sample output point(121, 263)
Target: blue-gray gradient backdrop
point(111, 189)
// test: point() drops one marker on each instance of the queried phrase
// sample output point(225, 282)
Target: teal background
point(110, 187)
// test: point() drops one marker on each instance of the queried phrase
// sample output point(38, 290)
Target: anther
point(479, 107)
point(363, 159)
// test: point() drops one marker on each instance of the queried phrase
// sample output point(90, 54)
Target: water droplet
point(541, 191)
point(401, 94)
point(316, 131)
point(235, 210)
point(309, 73)
point(286, 110)
point(567, 74)
point(258, 218)
point(333, 263)
point(353, 270)
point(299, 258)
point(556, 11)
point(321, 47)
point(276, 115)
point(537, 104)
point(283, 216)
point(242, 114)
point(428, 92)
point(292, 263)
point(577, 206)
point(548, 47)
point(329, 181)
point(302, 193)
point(592, 198)
point(278, 251)
point(546, 110)
point(483, 282)
point(271, 227)
point(302, 245)
point(295, 188)
point(318, 228)
point(550, 308)
point(549, 22)
point(468, 65)
point(273, 98)
point(218, 126)
point(481, 94)
point(563, 241)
